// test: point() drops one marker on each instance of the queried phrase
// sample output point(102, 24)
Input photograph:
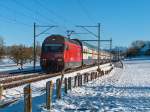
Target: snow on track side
point(37, 87)
point(87, 98)
point(123, 90)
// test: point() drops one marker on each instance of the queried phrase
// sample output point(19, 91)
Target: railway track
point(17, 77)
point(23, 81)
point(16, 73)
point(18, 80)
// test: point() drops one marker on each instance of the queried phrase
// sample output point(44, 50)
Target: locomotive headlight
point(59, 59)
point(44, 59)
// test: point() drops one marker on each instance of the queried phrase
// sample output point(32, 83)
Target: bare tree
point(14, 53)
point(20, 54)
point(29, 51)
point(38, 49)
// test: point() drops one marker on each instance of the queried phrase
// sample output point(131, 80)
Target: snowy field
point(126, 90)
point(38, 87)
point(7, 65)
point(123, 90)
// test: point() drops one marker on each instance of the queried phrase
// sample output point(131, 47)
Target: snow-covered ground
point(126, 90)
point(38, 87)
point(8, 65)
point(123, 90)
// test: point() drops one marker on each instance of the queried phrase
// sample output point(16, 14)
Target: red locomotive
point(60, 53)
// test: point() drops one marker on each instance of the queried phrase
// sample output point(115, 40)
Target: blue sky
point(122, 20)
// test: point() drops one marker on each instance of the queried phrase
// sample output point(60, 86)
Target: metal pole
point(98, 46)
point(118, 54)
point(110, 49)
point(34, 50)
point(69, 33)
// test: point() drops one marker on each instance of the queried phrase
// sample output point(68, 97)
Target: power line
point(59, 16)
point(47, 28)
point(26, 8)
point(46, 9)
point(52, 13)
point(16, 11)
point(86, 12)
point(14, 21)
point(37, 13)
point(98, 40)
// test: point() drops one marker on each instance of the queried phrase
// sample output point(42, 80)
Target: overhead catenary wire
point(35, 12)
point(42, 16)
point(11, 20)
point(85, 11)
point(56, 15)
point(50, 12)
point(16, 12)
point(59, 16)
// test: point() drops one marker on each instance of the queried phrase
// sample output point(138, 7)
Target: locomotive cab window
point(53, 47)
point(66, 47)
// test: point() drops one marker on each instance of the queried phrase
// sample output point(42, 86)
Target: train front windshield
point(53, 48)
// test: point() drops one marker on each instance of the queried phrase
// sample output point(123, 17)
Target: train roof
point(85, 44)
point(60, 38)
point(75, 41)
point(89, 45)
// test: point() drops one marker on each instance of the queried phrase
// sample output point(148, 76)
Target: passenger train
point(60, 53)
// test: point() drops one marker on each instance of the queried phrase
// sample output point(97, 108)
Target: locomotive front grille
point(53, 65)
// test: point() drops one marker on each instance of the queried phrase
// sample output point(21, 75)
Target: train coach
point(60, 53)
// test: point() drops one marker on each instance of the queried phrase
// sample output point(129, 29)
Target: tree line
point(136, 48)
point(19, 54)
point(139, 47)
